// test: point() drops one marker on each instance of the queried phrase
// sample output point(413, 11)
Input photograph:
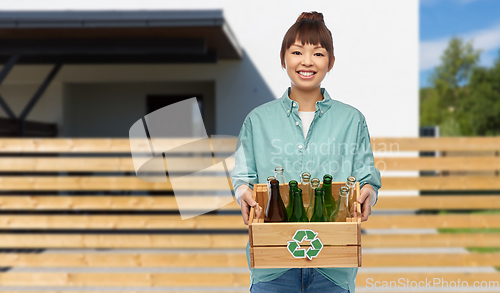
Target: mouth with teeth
point(306, 74)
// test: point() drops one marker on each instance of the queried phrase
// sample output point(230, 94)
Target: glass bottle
point(315, 183)
point(329, 200)
point(342, 212)
point(277, 210)
point(299, 213)
point(351, 184)
point(319, 214)
point(269, 179)
point(292, 185)
point(306, 188)
point(280, 176)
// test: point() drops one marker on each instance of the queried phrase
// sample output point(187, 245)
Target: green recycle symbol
point(301, 235)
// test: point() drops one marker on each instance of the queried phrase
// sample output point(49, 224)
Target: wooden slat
point(438, 163)
point(121, 222)
point(188, 164)
point(126, 279)
point(451, 202)
point(239, 260)
point(135, 202)
point(218, 182)
point(200, 183)
point(180, 241)
point(330, 256)
point(432, 221)
point(380, 144)
point(101, 145)
point(125, 260)
point(442, 183)
point(269, 234)
point(102, 202)
point(109, 145)
point(210, 279)
point(89, 164)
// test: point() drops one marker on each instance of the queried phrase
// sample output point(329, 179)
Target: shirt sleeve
point(245, 170)
point(363, 167)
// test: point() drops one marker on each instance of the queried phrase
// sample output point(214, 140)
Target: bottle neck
point(318, 204)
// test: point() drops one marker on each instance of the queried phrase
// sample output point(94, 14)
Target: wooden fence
point(74, 215)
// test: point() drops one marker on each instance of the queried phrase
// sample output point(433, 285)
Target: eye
point(321, 54)
point(295, 52)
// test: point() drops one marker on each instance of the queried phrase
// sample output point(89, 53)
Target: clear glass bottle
point(277, 210)
point(269, 179)
point(342, 212)
point(279, 174)
point(351, 184)
point(306, 188)
point(315, 183)
point(319, 213)
point(292, 185)
point(299, 212)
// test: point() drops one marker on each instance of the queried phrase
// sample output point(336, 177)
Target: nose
point(307, 60)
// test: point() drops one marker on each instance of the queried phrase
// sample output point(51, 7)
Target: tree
point(464, 98)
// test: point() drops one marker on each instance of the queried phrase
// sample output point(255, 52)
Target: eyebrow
point(299, 45)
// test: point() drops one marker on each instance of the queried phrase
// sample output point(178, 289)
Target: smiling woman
point(287, 132)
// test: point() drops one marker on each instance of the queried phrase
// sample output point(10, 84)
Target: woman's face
point(307, 65)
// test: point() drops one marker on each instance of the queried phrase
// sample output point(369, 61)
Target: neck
point(306, 98)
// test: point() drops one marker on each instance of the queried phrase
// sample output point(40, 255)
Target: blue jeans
point(300, 281)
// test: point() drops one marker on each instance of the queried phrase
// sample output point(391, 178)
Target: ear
point(333, 62)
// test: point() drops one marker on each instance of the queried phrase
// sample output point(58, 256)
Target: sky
point(477, 20)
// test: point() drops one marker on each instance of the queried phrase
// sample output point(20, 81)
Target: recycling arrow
point(300, 235)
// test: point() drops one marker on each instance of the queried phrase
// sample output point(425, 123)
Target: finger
point(366, 212)
point(258, 211)
point(362, 196)
point(245, 212)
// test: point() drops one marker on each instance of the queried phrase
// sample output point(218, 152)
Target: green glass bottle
point(299, 213)
point(292, 185)
point(319, 214)
point(277, 210)
point(315, 183)
point(329, 200)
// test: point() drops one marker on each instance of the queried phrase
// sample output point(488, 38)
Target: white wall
point(376, 50)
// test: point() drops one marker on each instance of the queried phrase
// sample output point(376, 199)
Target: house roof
point(165, 36)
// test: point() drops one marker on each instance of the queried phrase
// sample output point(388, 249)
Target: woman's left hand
point(366, 199)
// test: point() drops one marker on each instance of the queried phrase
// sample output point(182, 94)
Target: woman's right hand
point(247, 202)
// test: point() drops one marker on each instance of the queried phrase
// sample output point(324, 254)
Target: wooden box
point(271, 244)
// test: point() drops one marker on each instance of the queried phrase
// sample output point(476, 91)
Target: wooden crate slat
point(267, 234)
point(270, 257)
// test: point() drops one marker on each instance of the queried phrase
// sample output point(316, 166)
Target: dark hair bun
point(313, 15)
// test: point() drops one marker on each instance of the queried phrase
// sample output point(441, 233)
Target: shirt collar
point(292, 106)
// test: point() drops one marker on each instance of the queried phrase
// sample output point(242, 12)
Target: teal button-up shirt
point(337, 143)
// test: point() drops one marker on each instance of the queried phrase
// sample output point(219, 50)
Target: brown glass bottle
point(277, 211)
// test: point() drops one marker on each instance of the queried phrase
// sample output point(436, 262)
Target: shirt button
point(288, 111)
point(321, 112)
point(294, 104)
point(300, 146)
point(297, 123)
point(308, 147)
